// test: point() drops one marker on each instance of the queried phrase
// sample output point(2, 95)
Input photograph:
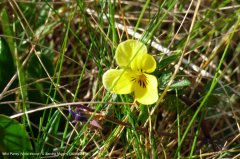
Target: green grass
point(55, 53)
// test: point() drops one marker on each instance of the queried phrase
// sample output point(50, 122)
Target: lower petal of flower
point(145, 89)
point(125, 84)
point(109, 77)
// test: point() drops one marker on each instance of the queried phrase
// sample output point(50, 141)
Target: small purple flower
point(81, 116)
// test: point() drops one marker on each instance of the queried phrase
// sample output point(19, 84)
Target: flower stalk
point(204, 140)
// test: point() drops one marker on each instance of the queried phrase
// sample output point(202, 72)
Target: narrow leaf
point(7, 70)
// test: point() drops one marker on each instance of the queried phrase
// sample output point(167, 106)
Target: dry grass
point(221, 120)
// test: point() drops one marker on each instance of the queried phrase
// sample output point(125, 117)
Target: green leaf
point(180, 84)
point(52, 131)
point(167, 60)
point(238, 1)
point(171, 104)
point(212, 101)
point(13, 139)
point(7, 70)
point(70, 135)
point(37, 91)
point(188, 114)
point(144, 114)
point(6, 26)
point(35, 71)
point(110, 106)
point(49, 53)
point(29, 11)
point(218, 90)
point(165, 78)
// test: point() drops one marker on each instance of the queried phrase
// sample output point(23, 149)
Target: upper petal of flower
point(146, 91)
point(143, 63)
point(127, 49)
point(109, 77)
point(125, 84)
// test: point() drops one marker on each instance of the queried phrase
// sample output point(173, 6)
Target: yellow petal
point(109, 77)
point(146, 93)
point(127, 49)
point(143, 63)
point(125, 84)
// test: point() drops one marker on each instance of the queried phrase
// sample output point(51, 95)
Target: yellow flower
point(134, 79)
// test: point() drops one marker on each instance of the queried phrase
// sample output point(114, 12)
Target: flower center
point(141, 80)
